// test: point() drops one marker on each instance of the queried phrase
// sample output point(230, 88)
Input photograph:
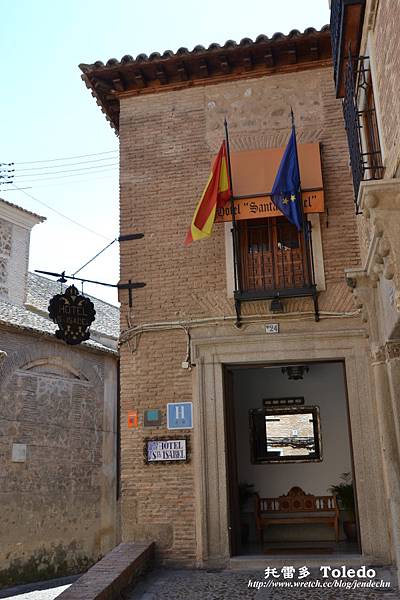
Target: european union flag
point(286, 193)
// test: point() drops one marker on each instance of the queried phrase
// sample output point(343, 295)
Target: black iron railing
point(361, 124)
point(336, 26)
point(346, 28)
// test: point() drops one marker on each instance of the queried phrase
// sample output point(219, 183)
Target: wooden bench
point(296, 507)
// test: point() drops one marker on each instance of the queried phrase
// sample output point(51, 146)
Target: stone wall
point(387, 68)
point(5, 253)
point(14, 256)
point(59, 512)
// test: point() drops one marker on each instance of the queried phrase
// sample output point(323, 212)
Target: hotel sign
point(73, 313)
point(257, 208)
point(166, 450)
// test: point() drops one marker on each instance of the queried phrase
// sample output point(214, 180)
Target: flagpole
point(235, 232)
point(306, 230)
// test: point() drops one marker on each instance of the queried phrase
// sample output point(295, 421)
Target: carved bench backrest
point(296, 500)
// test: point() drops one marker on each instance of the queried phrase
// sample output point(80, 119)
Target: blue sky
point(47, 112)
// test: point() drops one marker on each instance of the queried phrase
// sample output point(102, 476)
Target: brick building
point(197, 331)
point(58, 407)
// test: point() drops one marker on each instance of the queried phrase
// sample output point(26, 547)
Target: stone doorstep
point(108, 578)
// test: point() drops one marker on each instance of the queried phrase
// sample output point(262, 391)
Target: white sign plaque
point(166, 450)
point(272, 328)
point(18, 453)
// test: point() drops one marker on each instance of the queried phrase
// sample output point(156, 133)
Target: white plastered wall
point(324, 387)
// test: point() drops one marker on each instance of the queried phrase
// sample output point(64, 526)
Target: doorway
point(290, 475)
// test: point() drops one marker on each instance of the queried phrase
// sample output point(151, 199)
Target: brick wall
point(167, 141)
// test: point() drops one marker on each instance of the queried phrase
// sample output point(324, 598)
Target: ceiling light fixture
point(295, 372)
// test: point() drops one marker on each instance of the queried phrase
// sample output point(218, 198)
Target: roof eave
point(173, 71)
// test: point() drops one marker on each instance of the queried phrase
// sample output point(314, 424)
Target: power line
point(60, 214)
point(66, 171)
point(55, 184)
point(83, 162)
point(94, 257)
point(58, 183)
point(32, 162)
point(32, 181)
point(17, 189)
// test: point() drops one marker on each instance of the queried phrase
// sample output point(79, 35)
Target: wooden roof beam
point(139, 80)
point(203, 68)
point(224, 65)
point(182, 72)
point(269, 58)
point(119, 84)
point(161, 74)
point(292, 55)
point(314, 51)
point(248, 62)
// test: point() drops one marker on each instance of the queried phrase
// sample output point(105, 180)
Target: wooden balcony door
point(272, 255)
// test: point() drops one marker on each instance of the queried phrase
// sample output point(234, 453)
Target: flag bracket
point(238, 309)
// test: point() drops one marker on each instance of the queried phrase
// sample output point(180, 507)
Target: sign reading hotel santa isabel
point(73, 313)
point(166, 450)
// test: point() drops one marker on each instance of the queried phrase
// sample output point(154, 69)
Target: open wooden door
point(232, 477)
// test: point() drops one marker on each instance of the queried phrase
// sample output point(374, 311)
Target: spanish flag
point(216, 193)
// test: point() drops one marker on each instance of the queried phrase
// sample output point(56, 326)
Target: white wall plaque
point(272, 328)
point(18, 453)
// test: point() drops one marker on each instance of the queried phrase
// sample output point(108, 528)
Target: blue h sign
point(180, 415)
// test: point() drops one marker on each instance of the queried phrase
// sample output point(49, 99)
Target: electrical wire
point(60, 214)
point(32, 162)
point(82, 162)
point(25, 175)
point(70, 172)
point(94, 257)
point(67, 182)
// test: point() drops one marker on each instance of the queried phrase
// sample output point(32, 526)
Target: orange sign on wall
point(133, 419)
point(254, 172)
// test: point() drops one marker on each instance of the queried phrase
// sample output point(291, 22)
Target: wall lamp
point(276, 306)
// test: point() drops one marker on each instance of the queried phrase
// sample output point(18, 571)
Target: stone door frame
point(211, 492)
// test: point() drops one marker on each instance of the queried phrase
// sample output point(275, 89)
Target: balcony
point(274, 261)
point(361, 124)
point(347, 18)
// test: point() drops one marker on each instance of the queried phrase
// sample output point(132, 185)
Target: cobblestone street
point(233, 585)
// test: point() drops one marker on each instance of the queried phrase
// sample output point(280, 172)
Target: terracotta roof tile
point(199, 49)
point(161, 72)
point(23, 209)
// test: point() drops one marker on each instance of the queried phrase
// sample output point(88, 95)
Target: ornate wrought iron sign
point(73, 313)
